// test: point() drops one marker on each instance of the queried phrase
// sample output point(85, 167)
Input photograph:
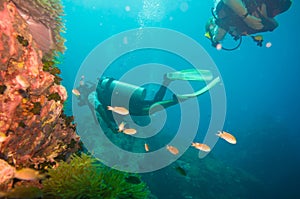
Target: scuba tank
point(111, 92)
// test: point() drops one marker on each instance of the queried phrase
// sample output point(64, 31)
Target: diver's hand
point(253, 22)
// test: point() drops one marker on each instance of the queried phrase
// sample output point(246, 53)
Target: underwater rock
point(37, 133)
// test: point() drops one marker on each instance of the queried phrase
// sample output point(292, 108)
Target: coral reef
point(24, 191)
point(85, 177)
point(45, 22)
point(31, 100)
point(7, 172)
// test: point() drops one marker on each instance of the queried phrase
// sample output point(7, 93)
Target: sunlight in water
point(152, 10)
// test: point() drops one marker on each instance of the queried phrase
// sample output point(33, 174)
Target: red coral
point(36, 130)
point(7, 173)
point(60, 90)
point(7, 30)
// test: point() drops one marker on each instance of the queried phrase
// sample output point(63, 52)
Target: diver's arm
point(93, 103)
point(150, 107)
point(237, 6)
point(269, 23)
point(93, 100)
point(218, 35)
point(240, 9)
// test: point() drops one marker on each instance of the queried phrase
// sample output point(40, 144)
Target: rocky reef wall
point(34, 131)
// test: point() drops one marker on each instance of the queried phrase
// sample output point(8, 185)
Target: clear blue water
point(262, 84)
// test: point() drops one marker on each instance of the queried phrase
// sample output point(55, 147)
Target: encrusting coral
point(31, 99)
point(34, 131)
point(45, 22)
point(7, 172)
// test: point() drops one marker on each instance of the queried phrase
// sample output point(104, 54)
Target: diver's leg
point(162, 90)
point(160, 94)
point(93, 113)
point(160, 105)
point(102, 111)
point(107, 118)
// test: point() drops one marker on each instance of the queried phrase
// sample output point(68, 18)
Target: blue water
point(262, 84)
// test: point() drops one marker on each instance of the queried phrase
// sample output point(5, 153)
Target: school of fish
point(172, 149)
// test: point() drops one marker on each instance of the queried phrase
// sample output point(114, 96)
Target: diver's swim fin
point(200, 92)
point(158, 106)
point(190, 74)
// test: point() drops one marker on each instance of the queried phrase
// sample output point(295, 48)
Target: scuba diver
point(83, 91)
point(243, 18)
point(111, 92)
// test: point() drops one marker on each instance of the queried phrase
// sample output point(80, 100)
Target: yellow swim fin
point(191, 75)
point(201, 91)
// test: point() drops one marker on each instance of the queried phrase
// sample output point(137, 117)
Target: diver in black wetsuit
point(244, 17)
point(109, 89)
point(111, 92)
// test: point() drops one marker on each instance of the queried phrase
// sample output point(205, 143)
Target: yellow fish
point(172, 149)
point(28, 174)
point(202, 147)
point(76, 92)
point(118, 109)
point(3, 137)
point(22, 81)
point(227, 136)
point(121, 126)
point(146, 147)
point(129, 131)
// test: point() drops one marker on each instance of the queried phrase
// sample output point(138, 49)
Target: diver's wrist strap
point(245, 15)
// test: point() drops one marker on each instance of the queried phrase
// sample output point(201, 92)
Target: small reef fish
point(202, 147)
point(22, 81)
point(3, 137)
point(118, 109)
point(28, 174)
point(180, 170)
point(146, 147)
point(133, 179)
point(129, 131)
point(76, 92)
point(121, 126)
point(172, 149)
point(227, 136)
